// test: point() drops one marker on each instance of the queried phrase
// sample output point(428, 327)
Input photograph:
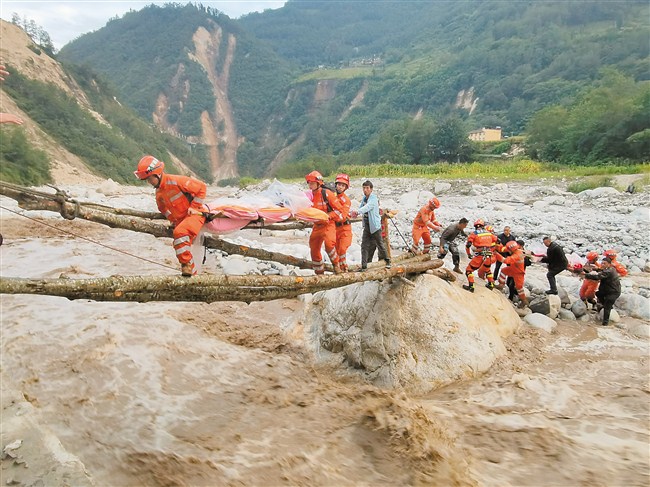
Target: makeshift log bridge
point(206, 288)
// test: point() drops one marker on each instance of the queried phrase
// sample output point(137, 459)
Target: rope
point(87, 239)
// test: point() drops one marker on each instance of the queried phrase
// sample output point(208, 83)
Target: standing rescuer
point(324, 232)
point(181, 200)
point(483, 242)
point(343, 228)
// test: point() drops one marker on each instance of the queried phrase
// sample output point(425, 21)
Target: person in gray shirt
point(447, 244)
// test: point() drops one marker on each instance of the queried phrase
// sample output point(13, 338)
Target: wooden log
point(205, 288)
point(156, 228)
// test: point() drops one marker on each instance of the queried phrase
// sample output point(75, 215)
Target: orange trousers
point(484, 266)
point(517, 276)
point(343, 242)
point(323, 233)
point(588, 289)
point(184, 234)
point(421, 232)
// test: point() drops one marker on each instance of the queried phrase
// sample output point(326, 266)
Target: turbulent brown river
point(223, 394)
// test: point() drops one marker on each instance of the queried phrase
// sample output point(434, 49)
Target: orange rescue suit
point(343, 231)
point(325, 232)
point(175, 195)
point(484, 243)
point(516, 268)
point(424, 221)
point(589, 286)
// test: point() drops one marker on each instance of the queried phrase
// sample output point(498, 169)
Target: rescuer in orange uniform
point(589, 287)
point(424, 222)
point(516, 269)
point(620, 268)
point(324, 232)
point(344, 227)
point(181, 200)
point(484, 243)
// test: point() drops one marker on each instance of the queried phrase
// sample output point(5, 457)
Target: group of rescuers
point(181, 199)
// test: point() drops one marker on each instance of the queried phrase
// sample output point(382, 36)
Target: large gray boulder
point(548, 304)
point(579, 308)
point(416, 338)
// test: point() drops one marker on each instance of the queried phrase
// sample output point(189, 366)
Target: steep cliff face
point(220, 133)
point(218, 129)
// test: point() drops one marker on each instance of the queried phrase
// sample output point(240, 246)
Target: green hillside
point(111, 150)
point(511, 60)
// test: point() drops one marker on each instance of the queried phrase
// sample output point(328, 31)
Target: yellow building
point(485, 135)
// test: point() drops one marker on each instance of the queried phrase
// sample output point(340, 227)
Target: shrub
point(580, 186)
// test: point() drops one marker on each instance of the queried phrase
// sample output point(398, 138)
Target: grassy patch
point(592, 183)
point(522, 169)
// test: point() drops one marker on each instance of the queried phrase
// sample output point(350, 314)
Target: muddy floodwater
point(126, 394)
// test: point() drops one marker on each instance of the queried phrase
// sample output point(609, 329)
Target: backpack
point(332, 188)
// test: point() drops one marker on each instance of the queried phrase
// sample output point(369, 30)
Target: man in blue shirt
point(371, 238)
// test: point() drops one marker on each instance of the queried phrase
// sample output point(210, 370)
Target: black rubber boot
point(469, 288)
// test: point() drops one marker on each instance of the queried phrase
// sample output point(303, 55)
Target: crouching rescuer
point(181, 200)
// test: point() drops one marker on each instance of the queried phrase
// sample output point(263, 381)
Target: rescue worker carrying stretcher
point(516, 268)
point(343, 228)
point(424, 222)
point(181, 200)
point(484, 243)
point(324, 232)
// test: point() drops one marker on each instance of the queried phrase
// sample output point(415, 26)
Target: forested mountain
point(73, 123)
point(360, 80)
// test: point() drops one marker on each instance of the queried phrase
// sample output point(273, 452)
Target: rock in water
point(416, 338)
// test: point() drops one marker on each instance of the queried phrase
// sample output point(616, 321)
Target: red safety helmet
point(592, 256)
point(610, 253)
point(479, 223)
point(314, 177)
point(434, 203)
point(149, 166)
point(489, 228)
point(512, 245)
point(343, 178)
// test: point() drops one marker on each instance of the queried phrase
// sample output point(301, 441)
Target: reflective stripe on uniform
point(175, 197)
point(181, 240)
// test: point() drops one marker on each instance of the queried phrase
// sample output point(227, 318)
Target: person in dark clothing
point(609, 289)
point(556, 260)
point(447, 238)
point(504, 238)
point(512, 290)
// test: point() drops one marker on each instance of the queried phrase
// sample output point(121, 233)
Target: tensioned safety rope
point(87, 239)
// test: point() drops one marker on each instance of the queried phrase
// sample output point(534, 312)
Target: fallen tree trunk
point(204, 288)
